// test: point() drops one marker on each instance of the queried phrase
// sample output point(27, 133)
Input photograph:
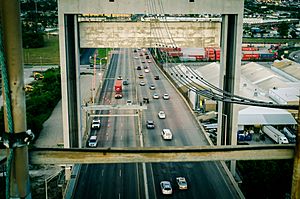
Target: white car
point(129, 102)
point(166, 96)
point(142, 83)
point(149, 61)
point(93, 141)
point(152, 87)
point(161, 115)
point(166, 187)
point(181, 182)
point(147, 70)
point(96, 124)
point(166, 134)
point(155, 96)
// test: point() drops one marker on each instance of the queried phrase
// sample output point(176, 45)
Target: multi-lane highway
point(205, 179)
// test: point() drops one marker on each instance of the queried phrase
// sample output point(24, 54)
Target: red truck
point(118, 89)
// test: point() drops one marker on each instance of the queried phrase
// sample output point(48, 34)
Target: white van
point(166, 134)
point(93, 141)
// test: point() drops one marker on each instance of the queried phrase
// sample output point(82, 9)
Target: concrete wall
point(150, 7)
point(149, 34)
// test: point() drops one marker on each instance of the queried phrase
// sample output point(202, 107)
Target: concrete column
point(230, 72)
point(295, 194)
point(69, 75)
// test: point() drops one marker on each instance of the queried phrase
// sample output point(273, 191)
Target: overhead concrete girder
point(151, 6)
point(153, 34)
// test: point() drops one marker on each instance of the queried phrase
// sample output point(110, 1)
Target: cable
point(7, 97)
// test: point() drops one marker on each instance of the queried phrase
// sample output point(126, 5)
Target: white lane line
point(121, 137)
point(119, 195)
point(120, 172)
point(145, 180)
point(106, 137)
point(102, 172)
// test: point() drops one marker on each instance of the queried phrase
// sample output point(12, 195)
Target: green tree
point(283, 29)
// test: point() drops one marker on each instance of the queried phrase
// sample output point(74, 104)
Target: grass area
point(102, 52)
point(47, 55)
point(270, 40)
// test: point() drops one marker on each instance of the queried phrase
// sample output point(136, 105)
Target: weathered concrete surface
point(149, 34)
point(150, 7)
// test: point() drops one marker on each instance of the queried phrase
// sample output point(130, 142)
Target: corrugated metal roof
point(262, 115)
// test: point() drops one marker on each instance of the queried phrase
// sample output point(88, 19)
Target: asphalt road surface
point(205, 179)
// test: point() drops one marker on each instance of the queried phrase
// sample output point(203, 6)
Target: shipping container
point(267, 56)
point(175, 54)
point(250, 49)
point(170, 49)
point(187, 58)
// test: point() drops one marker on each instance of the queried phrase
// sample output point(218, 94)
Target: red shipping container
point(251, 55)
point(175, 54)
point(249, 49)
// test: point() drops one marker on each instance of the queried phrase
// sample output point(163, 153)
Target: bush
point(41, 101)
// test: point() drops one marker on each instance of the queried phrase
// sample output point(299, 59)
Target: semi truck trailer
point(275, 134)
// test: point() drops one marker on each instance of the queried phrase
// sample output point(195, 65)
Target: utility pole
point(14, 100)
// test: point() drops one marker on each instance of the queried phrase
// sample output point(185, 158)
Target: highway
point(205, 179)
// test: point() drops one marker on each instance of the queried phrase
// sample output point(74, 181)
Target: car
point(118, 96)
point(143, 62)
point(161, 115)
point(136, 57)
point(166, 134)
point(166, 96)
point(139, 68)
point(93, 141)
point(142, 83)
point(147, 57)
point(146, 100)
point(141, 54)
point(150, 124)
point(181, 182)
point(141, 76)
point(166, 187)
point(120, 77)
point(156, 77)
point(96, 124)
point(147, 70)
point(145, 67)
point(149, 61)
point(155, 96)
point(152, 87)
point(125, 82)
point(134, 50)
point(129, 102)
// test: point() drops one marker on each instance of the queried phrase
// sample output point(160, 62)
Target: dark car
point(139, 68)
point(156, 77)
point(125, 82)
point(150, 124)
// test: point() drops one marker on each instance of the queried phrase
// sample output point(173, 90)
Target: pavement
point(52, 133)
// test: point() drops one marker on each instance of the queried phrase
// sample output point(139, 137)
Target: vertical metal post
point(296, 171)
point(10, 21)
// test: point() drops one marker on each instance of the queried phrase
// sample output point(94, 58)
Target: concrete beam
point(151, 7)
point(149, 34)
point(160, 154)
point(114, 107)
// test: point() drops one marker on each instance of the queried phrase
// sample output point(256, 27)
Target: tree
point(32, 36)
point(283, 29)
